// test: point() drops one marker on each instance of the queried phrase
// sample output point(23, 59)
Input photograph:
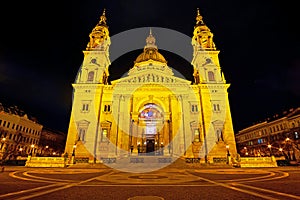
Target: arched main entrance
point(151, 119)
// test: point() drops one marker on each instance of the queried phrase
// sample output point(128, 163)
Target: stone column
point(125, 126)
point(135, 134)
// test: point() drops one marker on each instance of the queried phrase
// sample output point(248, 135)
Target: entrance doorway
point(150, 146)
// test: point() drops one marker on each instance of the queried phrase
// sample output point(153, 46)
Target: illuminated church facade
point(150, 111)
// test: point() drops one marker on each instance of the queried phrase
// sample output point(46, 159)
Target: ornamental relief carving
point(146, 78)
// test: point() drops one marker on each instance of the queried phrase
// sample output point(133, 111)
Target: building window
point(107, 108)
point(85, 107)
point(91, 76)
point(4, 123)
point(8, 124)
point(82, 127)
point(13, 126)
point(216, 107)
point(0, 122)
point(211, 76)
point(194, 108)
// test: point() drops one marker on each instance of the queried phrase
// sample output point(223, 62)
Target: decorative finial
point(199, 18)
point(150, 40)
point(103, 18)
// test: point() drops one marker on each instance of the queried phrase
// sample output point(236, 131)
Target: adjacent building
point(19, 133)
point(278, 135)
point(150, 111)
point(52, 142)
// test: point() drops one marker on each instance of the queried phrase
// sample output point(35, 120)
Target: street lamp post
point(2, 142)
point(144, 149)
point(290, 149)
point(280, 149)
point(2, 158)
point(271, 153)
point(228, 154)
point(270, 147)
point(139, 147)
point(20, 150)
point(32, 147)
point(162, 148)
point(73, 154)
point(2, 146)
point(227, 148)
point(46, 150)
point(245, 151)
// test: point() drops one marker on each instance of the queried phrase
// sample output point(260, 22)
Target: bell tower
point(205, 57)
point(214, 103)
point(88, 90)
point(96, 56)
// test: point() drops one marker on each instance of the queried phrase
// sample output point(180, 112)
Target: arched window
point(91, 76)
point(211, 76)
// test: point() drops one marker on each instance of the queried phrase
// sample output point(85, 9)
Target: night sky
point(41, 50)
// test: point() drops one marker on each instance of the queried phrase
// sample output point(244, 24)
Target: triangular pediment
point(151, 77)
point(83, 122)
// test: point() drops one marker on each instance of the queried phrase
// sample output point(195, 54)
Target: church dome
point(150, 54)
point(150, 51)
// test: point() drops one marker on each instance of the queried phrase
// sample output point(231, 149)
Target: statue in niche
point(219, 135)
